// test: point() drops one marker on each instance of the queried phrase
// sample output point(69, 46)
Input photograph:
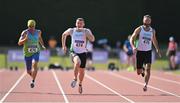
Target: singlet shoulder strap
point(141, 27)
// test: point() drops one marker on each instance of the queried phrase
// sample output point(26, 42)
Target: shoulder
point(70, 30)
point(139, 28)
point(153, 30)
point(38, 30)
point(87, 30)
point(24, 32)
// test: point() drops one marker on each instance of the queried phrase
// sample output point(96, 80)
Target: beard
point(147, 25)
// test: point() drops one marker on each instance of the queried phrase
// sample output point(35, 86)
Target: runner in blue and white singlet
point(30, 39)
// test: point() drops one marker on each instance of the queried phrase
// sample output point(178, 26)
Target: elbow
point(19, 43)
point(93, 39)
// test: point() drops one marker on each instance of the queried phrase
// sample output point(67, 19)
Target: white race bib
point(32, 49)
point(79, 43)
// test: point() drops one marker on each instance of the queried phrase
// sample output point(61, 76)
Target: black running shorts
point(143, 57)
point(82, 57)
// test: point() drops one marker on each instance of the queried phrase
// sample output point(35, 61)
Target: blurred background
point(111, 21)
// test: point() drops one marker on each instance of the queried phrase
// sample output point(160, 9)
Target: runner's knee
point(139, 71)
point(29, 72)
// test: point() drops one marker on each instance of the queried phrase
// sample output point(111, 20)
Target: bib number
point(146, 42)
point(32, 49)
point(79, 43)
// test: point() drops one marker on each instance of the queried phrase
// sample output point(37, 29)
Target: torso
point(145, 39)
point(31, 46)
point(172, 46)
point(78, 41)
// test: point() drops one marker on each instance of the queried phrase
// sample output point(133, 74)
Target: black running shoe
point(32, 85)
point(80, 89)
point(145, 88)
point(143, 73)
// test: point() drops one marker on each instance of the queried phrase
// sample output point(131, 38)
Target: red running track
point(98, 86)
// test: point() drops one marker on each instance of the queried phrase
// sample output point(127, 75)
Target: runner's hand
point(134, 50)
point(159, 53)
point(64, 49)
point(44, 48)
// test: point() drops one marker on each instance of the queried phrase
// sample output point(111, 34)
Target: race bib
point(79, 43)
point(146, 40)
point(32, 49)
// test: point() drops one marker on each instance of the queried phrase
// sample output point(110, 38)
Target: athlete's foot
point(145, 88)
point(32, 84)
point(73, 83)
point(143, 72)
point(80, 88)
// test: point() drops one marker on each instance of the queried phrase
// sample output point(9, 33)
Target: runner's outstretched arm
point(63, 40)
point(41, 40)
point(90, 36)
point(155, 42)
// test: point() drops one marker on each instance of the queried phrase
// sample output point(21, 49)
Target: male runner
point(79, 36)
point(30, 39)
point(146, 35)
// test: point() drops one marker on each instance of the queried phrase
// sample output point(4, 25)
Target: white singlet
point(145, 40)
point(78, 40)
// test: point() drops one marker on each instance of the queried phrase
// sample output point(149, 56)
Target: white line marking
point(134, 81)
point(60, 87)
point(13, 87)
point(167, 80)
point(109, 88)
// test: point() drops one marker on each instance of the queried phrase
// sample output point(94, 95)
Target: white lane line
point(93, 79)
point(167, 80)
point(134, 81)
point(13, 87)
point(60, 87)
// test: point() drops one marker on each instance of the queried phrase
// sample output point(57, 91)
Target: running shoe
point(143, 73)
point(80, 89)
point(32, 84)
point(145, 88)
point(73, 83)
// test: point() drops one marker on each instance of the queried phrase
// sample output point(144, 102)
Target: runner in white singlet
point(147, 36)
point(79, 36)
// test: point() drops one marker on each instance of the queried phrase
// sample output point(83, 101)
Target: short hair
point(147, 16)
point(31, 23)
point(80, 19)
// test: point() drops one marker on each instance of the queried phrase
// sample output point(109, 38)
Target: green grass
point(160, 64)
point(2, 61)
point(66, 62)
point(177, 72)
